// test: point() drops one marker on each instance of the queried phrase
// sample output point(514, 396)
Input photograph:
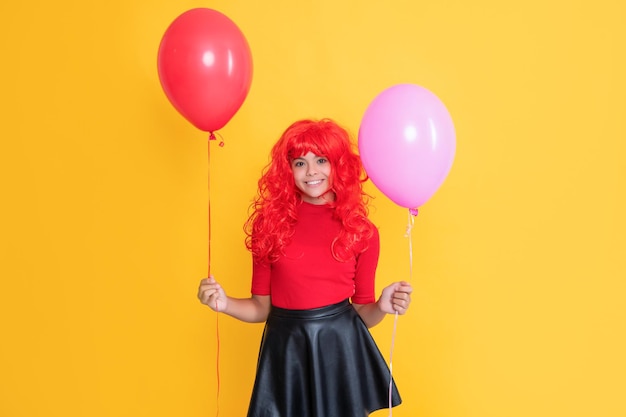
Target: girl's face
point(312, 177)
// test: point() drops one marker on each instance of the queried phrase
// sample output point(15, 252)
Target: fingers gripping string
point(409, 228)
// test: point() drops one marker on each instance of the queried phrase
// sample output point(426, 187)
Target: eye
point(322, 161)
point(298, 164)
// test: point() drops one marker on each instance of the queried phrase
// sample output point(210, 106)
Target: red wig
point(274, 210)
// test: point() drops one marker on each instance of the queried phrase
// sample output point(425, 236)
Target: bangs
point(307, 142)
point(322, 139)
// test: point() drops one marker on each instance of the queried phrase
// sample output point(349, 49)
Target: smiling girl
point(315, 254)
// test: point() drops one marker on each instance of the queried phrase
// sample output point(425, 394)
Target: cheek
point(329, 175)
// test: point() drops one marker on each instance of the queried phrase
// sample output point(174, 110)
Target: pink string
point(412, 214)
point(393, 340)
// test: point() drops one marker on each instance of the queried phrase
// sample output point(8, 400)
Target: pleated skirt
point(320, 363)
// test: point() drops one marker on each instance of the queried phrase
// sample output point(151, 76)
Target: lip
point(314, 182)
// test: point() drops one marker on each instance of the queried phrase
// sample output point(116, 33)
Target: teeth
point(314, 182)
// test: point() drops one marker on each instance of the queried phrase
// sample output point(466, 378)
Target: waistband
point(329, 310)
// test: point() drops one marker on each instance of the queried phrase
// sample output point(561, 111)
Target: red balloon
point(205, 67)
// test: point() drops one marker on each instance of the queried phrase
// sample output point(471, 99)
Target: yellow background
point(518, 261)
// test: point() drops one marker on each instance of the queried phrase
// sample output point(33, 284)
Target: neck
point(327, 197)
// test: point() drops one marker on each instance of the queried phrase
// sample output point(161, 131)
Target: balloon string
point(409, 228)
point(212, 137)
point(393, 340)
point(217, 322)
point(217, 330)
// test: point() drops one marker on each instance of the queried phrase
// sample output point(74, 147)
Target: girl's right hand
point(211, 293)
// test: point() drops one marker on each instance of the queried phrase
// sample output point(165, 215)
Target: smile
point(314, 182)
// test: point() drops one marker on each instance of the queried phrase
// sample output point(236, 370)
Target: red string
point(211, 137)
point(217, 327)
point(217, 321)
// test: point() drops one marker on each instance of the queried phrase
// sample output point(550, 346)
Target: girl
point(314, 260)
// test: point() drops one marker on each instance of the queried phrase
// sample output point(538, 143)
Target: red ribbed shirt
point(307, 276)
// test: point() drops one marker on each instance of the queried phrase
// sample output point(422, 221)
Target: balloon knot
point(213, 137)
point(414, 211)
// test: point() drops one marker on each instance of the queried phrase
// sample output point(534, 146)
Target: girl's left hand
point(396, 298)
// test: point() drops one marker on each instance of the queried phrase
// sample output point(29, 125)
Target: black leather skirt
point(319, 363)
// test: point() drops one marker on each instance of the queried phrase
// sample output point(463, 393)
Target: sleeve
point(365, 276)
point(261, 272)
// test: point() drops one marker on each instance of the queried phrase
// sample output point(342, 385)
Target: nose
point(310, 170)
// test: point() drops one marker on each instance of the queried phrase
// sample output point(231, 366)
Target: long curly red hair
point(274, 210)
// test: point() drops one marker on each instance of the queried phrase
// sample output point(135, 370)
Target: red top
point(308, 276)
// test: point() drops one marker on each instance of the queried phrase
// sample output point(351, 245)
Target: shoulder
point(372, 227)
point(367, 224)
point(375, 238)
point(370, 238)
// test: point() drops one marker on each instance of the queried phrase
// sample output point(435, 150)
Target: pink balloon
point(407, 144)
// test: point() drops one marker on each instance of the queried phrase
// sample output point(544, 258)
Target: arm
point(395, 298)
point(252, 310)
